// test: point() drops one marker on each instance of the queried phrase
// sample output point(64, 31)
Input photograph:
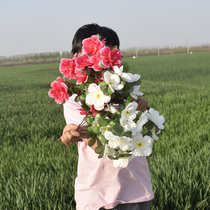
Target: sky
point(36, 26)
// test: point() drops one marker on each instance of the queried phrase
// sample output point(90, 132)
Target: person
point(98, 184)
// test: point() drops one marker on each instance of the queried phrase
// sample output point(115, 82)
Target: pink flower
point(81, 77)
point(116, 58)
point(82, 62)
point(67, 68)
point(92, 45)
point(59, 91)
point(106, 54)
point(94, 111)
point(96, 61)
point(83, 112)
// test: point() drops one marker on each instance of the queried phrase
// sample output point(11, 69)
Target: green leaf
point(103, 83)
point(127, 134)
point(99, 149)
point(102, 122)
point(98, 115)
point(82, 97)
point(149, 125)
point(127, 102)
point(130, 98)
point(126, 67)
point(101, 155)
point(104, 89)
point(138, 82)
point(91, 142)
point(112, 123)
point(77, 99)
point(96, 129)
point(89, 120)
point(129, 88)
point(109, 91)
point(121, 107)
point(117, 129)
point(102, 138)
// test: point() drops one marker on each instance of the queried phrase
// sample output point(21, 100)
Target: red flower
point(59, 91)
point(67, 68)
point(81, 77)
point(83, 112)
point(106, 54)
point(82, 62)
point(116, 58)
point(96, 61)
point(92, 45)
point(94, 111)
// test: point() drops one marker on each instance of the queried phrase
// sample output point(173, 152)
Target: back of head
point(94, 29)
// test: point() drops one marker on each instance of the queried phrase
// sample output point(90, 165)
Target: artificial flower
point(59, 91)
point(81, 77)
point(136, 92)
point(130, 111)
point(156, 118)
point(68, 67)
point(116, 58)
point(140, 123)
point(142, 145)
point(121, 162)
point(113, 139)
point(113, 81)
point(92, 45)
point(82, 62)
point(96, 97)
point(127, 124)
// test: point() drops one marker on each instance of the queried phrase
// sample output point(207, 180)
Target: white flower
point(139, 124)
point(108, 151)
point(154, 116)
point(111, 108)
point(113, 140)
point(95, 123)
point(136, 92)
point(127, 77)
point(154, 133)
point(121, 162)
point(124, 143)
point(113, 81)
point(142, 145)
point(127, 123)
point(96, 97)
point(130, 111)
point(103, 129)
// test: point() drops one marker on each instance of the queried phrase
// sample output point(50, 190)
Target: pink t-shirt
point(98, 183)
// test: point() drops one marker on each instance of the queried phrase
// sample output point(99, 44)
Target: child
point(98, 184)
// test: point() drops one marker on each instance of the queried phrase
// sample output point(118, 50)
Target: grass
point(37, 172)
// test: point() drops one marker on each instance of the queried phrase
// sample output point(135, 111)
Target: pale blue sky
point(34, 26)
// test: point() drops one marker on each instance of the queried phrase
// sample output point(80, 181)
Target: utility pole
point(187, 46)
point(136, 52)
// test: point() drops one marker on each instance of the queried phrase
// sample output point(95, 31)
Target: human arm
point(142, 104)
point(71, 135)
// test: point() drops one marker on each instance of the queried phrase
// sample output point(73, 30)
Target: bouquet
point(107, 94)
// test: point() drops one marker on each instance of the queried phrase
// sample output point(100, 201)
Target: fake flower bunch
point(106, 92)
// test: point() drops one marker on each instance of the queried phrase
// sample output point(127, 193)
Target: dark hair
point(93, 29)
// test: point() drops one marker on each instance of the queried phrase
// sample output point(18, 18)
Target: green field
point(37, 172)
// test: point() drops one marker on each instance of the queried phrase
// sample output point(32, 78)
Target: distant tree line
point(54, 57)
point(145, 51)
